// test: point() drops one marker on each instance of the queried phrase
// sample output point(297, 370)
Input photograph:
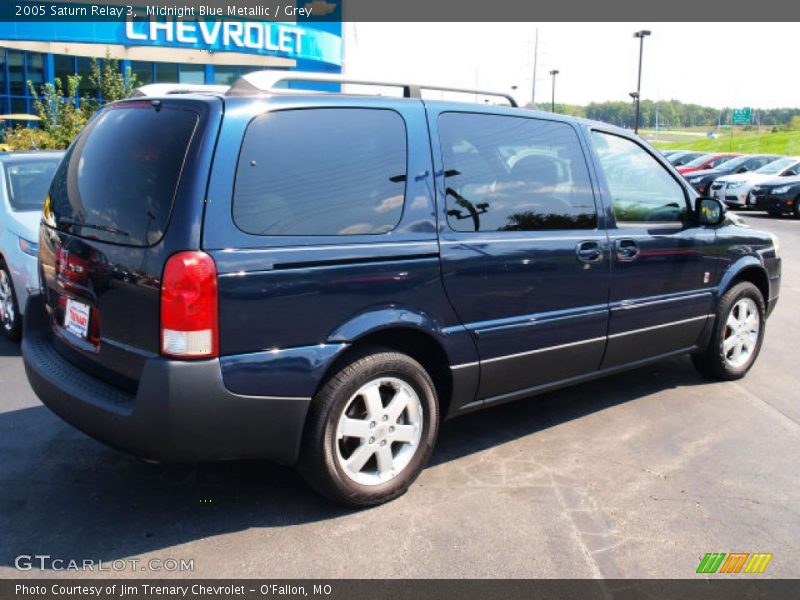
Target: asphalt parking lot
point(637, 475)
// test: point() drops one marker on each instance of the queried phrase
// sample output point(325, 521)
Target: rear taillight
point(189, 321)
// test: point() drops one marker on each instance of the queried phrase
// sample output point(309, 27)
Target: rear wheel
point(371, 429)
point(738, 334)
point(796, 211)
point(10, 318)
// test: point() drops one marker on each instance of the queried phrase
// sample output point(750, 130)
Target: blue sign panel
point(290, 40)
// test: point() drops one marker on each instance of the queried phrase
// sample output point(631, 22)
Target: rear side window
point(513, 174)
point(642, 190)
point(117, 183)
point(326, 171)
point(27, 182)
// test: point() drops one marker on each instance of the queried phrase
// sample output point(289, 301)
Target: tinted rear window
point(328, 171)
point(27, 182)
point(117, 183)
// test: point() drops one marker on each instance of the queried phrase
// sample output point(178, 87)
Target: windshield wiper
point(106, 228)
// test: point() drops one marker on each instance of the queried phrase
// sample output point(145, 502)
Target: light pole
point(641, 35)
point(635, 97)
point(554, 72)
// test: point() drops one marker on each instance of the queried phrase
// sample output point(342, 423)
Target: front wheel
point(371, 429)
point(10, 318)
point(796, 211)
point(737, 336)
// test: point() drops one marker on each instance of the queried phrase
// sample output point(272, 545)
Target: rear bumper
point(180, 412)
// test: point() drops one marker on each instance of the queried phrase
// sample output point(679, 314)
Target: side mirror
point(709, 211)
point(789, 173)
point(742, 170)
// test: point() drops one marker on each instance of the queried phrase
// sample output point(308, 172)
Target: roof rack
point(259, 82)
point(165, 89)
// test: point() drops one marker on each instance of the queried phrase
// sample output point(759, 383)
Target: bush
point(23, 138)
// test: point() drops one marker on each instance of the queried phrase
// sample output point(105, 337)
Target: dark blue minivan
point(320, 278)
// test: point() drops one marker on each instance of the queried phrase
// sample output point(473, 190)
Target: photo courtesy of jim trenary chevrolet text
point(374, 299)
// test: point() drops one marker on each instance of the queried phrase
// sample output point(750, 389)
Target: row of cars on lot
point(765, 182)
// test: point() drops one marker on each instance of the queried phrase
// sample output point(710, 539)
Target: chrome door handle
point(589, 252)
point(626, 249)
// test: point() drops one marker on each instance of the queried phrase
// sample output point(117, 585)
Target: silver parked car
point(24, 181)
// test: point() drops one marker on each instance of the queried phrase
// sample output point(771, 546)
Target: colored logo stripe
point(758, 563)
point(734, 562)
point(710, 562)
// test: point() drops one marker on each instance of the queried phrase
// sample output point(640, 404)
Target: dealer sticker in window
point(76, 318)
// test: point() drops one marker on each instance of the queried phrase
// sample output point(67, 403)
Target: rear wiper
point(105, 228)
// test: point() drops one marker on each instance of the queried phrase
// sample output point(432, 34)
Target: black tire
point(775, 213)
point(712, 361)
point(319, 462)
point(12, 329)
point(796, 211)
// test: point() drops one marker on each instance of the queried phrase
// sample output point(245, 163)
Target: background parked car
point(684, 157)
point(709, 161)
point(778, 196)
point(702, 180)
point(26, 177)
point(734, 190)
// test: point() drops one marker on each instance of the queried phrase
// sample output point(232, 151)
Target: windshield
point(776, 166)
point(683, 159)
point(676, 156)
point(698, 161)
point(734, 163)
point(27, 182)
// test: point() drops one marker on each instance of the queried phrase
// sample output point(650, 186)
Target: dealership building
point(164, 50)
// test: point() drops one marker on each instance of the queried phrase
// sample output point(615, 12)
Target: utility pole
point(535, 63)
point(641, 35)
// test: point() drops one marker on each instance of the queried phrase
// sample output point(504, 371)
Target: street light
point(641, 35)
point(554, 72)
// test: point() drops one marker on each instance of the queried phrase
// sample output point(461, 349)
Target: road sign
point(741, 116)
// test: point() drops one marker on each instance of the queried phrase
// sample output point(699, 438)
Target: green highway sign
point(741, 116)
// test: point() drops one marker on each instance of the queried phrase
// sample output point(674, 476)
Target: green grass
point(782, 142)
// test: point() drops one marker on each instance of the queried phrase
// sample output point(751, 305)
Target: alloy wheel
point(740, 339)
point(379, 431)
point(7, 312)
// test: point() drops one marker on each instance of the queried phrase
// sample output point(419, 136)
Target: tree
point(108, 80)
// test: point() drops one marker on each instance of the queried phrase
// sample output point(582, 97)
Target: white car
point(24, 180)
point(734, 190)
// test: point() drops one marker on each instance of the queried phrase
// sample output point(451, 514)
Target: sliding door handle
point(626, 249)
point(589, 252)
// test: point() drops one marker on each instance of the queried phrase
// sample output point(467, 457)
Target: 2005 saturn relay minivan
point(321, 278)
